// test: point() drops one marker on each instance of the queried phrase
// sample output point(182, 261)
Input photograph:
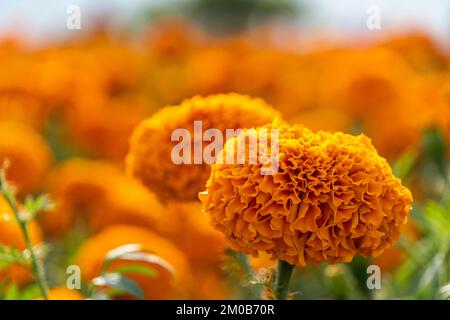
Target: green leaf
point(434, 147)
point(444, 292)
point(119, 282)
point(34, 205)
point(137, 269)
point(9, 255)
point(132, 252)
point(118, 253)
point(404, 164)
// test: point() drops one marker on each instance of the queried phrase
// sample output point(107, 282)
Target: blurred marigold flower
point(100, 194)
point(167, 284)
point(149, 159)
point(102, 126)
point(194, 235)
point(11, 236)
point(332, 198)
point(419, 50)
point(27, 155)
point(64, 293)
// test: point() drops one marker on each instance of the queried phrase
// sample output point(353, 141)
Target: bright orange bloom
point(419, 51)
point(149, 159)
point(333, 197)
point(168, 284)
point(63, 293)
point(100, 194)
point(102, 125)
point(27, 154)
point(11, 236)
point(193, 234)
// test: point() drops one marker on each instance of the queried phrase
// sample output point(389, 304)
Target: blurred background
point(70, 99)
point(47, 19)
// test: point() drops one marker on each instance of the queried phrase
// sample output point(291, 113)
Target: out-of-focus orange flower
point(193, 233)
point(63, 293)
point(22, 107)
point(102, 126)
point(210, 284)
point(360, 81)
point(149, 159)
point(98, 192)
point(317, 118)
point(11, 236)
point(419, 51)
point(168, 284)
point(374, 86)
point(332, 197)
point(27, 154)
point(394, 256)
point(173, 37)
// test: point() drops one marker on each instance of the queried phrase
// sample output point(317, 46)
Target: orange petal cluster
point(149, 159)
point(333, 197)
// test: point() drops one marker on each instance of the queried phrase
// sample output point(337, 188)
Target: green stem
point(37, 266)
point(245, 265)
point(283, 276)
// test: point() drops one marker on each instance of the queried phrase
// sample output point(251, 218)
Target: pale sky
point(43, 19)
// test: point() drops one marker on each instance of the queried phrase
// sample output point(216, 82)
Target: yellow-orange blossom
point(332, 198)
point(149, 159)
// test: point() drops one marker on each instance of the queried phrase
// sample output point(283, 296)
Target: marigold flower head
point(11, 236)
point(99, 193)
point(27, 154)
point(149, 159)
point(167, 284)
point(333, 197)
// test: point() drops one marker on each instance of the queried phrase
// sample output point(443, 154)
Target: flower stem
point(37, 267)
point(283, 276)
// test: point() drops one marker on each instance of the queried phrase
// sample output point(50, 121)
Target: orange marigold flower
point(333, 197)
point(102, 125)
point(210, 284)
point(11, 236)
point(22, 107)
point(27, 153)
point(192, 232)
point(167, 284)
point(101, 194)
point(63, 293)
point(418, 50)
point(149, 159)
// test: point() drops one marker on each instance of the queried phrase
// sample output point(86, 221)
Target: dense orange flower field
point(88, 122)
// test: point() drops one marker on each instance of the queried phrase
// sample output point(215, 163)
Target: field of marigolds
point(124, 174)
